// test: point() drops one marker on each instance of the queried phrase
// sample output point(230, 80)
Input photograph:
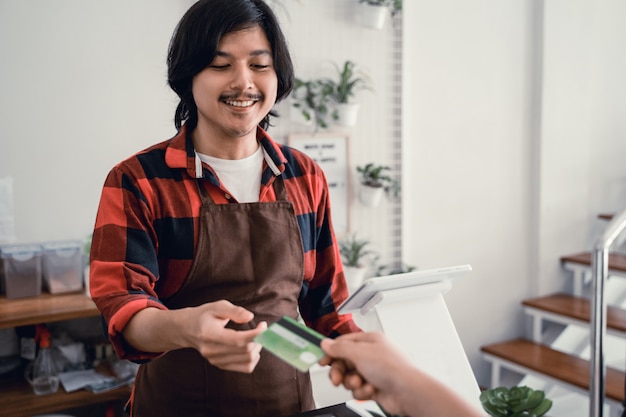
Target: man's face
point(238, 88)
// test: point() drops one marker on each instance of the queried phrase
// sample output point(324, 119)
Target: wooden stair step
point(617, 261)
point(578, 308)
point(555, 364)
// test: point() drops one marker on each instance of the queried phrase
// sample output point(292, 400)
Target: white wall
point(467, 157)
point(583, 130)
point(514, 141)
point(83, 86)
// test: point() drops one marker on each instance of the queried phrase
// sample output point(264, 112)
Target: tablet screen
point(370, 287)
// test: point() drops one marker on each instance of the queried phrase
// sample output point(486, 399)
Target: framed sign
point(330, 151)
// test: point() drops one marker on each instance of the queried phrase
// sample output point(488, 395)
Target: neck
point(224, 147)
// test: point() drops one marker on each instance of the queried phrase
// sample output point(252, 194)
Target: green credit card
point(292, 342)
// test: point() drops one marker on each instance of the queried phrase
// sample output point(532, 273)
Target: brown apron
point(251, 255)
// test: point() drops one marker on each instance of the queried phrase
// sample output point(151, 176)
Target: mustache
point(235, 96)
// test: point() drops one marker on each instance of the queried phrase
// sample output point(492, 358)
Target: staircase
point(556, 356)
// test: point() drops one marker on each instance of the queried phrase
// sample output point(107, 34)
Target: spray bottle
point(45, 374)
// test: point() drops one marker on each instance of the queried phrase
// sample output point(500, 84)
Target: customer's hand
point(369, 366)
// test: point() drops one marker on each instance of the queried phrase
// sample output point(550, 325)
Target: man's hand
point(228, 349)
point(202, 328)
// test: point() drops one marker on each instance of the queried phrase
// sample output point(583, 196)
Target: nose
point(242, 78)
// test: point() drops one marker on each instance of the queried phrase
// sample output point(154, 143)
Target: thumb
point(334, 348)
point(228, 311)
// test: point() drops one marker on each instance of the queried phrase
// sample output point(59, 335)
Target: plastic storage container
point(21, 270)
point(63, 266)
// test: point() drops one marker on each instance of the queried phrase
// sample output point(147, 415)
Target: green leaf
point(497, 397)
point(494, 411)
point(542, 408)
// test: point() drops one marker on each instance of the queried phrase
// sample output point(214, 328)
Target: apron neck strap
point(279, 190)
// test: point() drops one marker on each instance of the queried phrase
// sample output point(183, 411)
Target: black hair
point(194, 43)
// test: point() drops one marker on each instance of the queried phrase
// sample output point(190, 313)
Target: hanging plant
point(373, 175)
point(348, 83)
point(313, 99)
point(319, 99)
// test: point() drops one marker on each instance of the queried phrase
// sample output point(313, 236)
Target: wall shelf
point(45, 308)
point(18, 399)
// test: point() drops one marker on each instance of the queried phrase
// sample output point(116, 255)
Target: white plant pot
point(347, 113)
point(354, 277)
point(371, 196)
point(372, 16)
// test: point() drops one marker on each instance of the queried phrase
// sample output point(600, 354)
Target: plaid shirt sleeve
point(122, 278)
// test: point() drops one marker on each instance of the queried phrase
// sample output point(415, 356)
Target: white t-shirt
point(241, 177)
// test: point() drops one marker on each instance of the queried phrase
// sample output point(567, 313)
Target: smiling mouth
point(240, 103)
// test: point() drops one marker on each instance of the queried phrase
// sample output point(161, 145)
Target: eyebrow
point(256, 52)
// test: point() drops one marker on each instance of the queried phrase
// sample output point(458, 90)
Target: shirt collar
point(181, 154)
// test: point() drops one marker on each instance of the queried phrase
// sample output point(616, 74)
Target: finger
point(222, 349)
point(237, 364)
point(239, 338)
point(249, 335)
point(326, 360)
point(233, 357)
point(339, 348)
point(353, 380)
point(337, 372)
point(326, 344)
point(364, 392)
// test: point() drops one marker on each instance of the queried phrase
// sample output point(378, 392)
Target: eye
point(219, 67)
point(260, 67)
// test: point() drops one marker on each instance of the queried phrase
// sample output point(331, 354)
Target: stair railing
point(600, 271)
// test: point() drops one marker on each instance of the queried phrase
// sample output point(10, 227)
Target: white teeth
point(240, 103)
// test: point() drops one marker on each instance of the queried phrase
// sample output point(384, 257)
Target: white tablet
point(372, 286)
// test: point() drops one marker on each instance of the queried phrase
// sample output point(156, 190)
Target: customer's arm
point(369, 366)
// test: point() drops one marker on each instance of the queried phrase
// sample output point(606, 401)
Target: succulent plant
point(515, 402)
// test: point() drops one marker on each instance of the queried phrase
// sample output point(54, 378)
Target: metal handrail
point(600, 271)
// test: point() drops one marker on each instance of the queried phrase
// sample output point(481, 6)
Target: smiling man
point(204, 239)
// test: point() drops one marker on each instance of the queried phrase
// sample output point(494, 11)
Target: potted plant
point(325, 100)
point(519, 401)
point(375, 182)
point(312, 101)
point(343, 89)
point(354, 256)
point(374, 12)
